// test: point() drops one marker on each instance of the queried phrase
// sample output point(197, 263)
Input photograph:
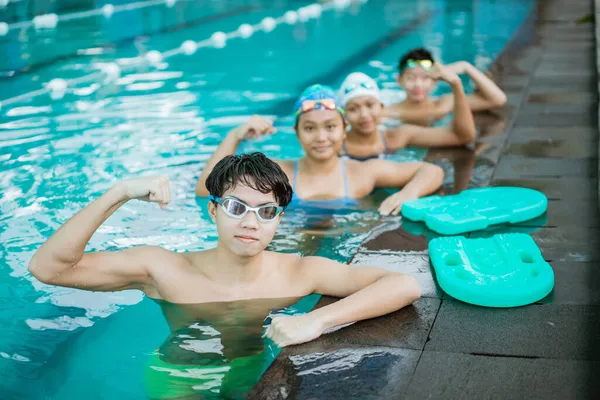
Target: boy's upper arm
point(425, 136)
point(391, 174)
point(479, 103)
point(119, 270)
point(332, 278)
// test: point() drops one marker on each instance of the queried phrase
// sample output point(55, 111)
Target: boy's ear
point(212, 210)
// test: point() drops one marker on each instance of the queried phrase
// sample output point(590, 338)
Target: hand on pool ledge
point(297, 329)
point(393, 204)
point(426, 179)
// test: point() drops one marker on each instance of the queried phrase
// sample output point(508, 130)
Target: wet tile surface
point(556, 244)
point(547, 331)
point(568, 147)
point(416, 265)
point(464, 376)
point(406, 328)
point(556, 120)
point(563, 98)
point(565, 188)
point(583, 107)
point(518, 167)
point(575, 283)
point(321, 372)
point(401, 236)
point(568, 214)
point(584, 133)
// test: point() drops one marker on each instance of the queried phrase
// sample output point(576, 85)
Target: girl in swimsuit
point(322, 174)
point(365, 140)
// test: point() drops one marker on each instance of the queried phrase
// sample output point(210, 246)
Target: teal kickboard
point(506, 270)
point(476, 209)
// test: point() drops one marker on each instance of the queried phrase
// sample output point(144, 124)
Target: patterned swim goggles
point(327, 104)
point(236, 208)
point(351, 87)
point(425, 64)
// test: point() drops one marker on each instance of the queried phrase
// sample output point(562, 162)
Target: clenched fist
point(256, 127)
point(153, 189)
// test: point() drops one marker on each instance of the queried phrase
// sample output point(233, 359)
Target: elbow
point(467, 135)
point(436, 174)
point(500, 101)
point(40, 273)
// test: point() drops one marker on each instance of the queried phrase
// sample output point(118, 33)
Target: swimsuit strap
point(385, 145)
point(345, 177)
point(295, 176)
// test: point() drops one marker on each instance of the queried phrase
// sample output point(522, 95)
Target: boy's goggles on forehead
point(238, 209)
point(425, 64)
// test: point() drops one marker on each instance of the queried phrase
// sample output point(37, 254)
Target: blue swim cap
point(317, 97)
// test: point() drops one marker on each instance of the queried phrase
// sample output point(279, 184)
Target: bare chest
point(185, 287)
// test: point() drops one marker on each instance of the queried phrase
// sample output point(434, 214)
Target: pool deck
point(546, 138)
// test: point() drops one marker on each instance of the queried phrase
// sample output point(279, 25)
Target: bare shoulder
point(398, 137)
point(357, 169)
point(353, 166)
point(157, 257)
point(287, 166)
point(315, 262)
point(394, 110)
point(298, 266)
point(362, 176)
point(284, 261)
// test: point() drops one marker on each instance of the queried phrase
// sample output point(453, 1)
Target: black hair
point(419, 53)
point(254, 170)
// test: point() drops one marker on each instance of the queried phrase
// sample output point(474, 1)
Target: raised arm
point(61, 259)
point(459, 132)
point(255, 127)
point(367, 292)
point(487, 95)
point(414, 179)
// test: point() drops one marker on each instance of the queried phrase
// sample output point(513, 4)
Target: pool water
point(58, 155)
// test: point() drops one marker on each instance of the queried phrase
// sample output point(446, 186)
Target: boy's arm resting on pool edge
point(61, 260)
point(415, 180)
point(256, 126)
point(367, 292)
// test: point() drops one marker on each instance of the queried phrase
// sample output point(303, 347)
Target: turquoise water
point(57, 155)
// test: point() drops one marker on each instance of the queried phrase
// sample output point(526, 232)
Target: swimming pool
point(57, 155)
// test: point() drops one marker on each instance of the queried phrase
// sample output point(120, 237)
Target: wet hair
point(254, 170)
point(415, 54)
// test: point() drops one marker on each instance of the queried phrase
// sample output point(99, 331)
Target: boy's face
point(246, 236)
point(364, 113)
point(417, 83)
point(321, 133)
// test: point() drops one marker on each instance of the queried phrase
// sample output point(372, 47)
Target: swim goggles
point(327, 104)
point(425, 64)
point(238, 209)
point(351, 87)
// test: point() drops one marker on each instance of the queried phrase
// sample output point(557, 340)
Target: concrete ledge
point(597, 18)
